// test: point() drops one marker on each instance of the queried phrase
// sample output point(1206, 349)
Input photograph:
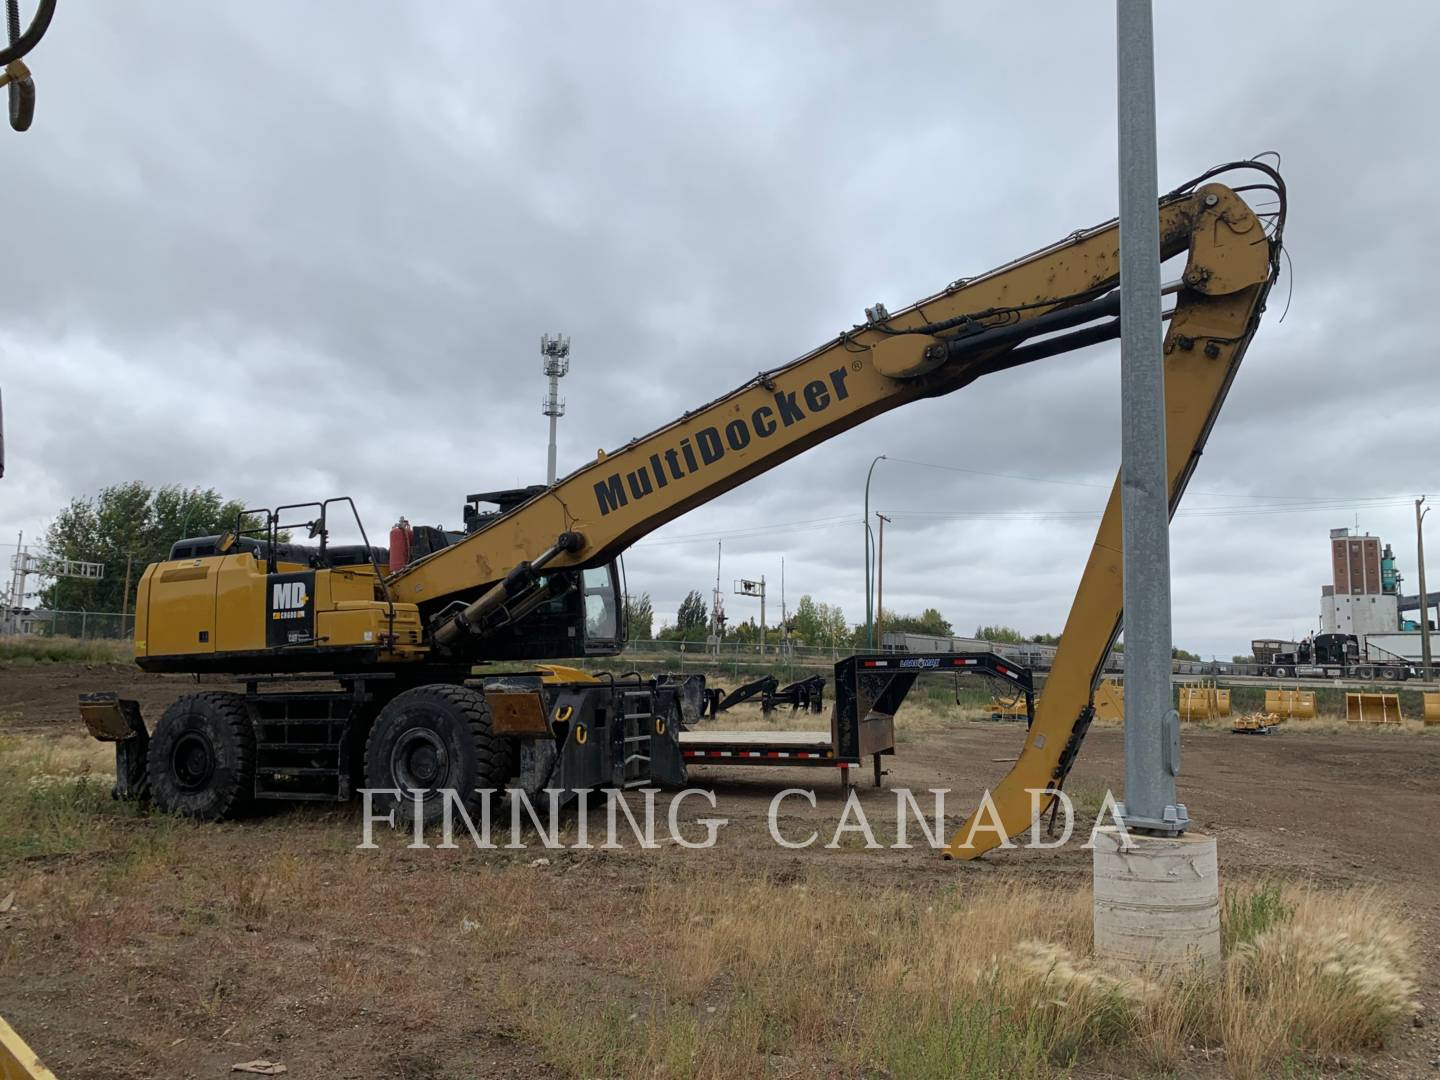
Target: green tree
point(127, 522)
point(746, 633)
point(832, 624)
point(1007, 634)
point(692, 620)
point(640, 617)
point(929, 621)
point(693, 614)
point(805, 624)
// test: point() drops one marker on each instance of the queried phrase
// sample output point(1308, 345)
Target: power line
point(1197, 511)
point(779, 526)
point(1106, 487)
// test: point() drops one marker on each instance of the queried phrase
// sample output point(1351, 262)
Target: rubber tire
point(460, 717)
point(1390, 674)
point(1282, 673)
point(231, 788)
point(1365, 673)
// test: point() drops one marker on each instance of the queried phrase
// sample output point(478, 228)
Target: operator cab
point(583, 617)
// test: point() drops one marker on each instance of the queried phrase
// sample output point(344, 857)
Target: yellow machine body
point(231, 604)
point(482, 596)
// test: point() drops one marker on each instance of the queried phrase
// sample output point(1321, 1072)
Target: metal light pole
point(1425, 658)
point(880, 580)
point(1152, 727)
point(869, 548)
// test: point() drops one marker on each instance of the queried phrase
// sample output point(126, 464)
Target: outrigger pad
point(111, 718)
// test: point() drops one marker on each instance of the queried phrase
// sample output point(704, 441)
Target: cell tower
point(556, 351)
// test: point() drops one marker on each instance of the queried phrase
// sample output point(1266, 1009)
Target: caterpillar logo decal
point(291, 616)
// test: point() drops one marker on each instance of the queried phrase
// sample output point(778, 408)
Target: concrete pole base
point(1157, 903)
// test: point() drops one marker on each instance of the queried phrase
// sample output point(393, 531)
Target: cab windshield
point(602, 611)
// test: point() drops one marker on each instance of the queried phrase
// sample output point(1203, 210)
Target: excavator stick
point(1230, 267)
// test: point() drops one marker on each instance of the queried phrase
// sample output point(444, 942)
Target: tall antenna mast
point(556, 353)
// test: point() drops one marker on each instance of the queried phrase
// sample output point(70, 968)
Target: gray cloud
point(337, 232)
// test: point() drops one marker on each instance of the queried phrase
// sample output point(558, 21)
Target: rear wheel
point(1366, 673)
point(1390, 674)
point(429, 739)
point(202, 757)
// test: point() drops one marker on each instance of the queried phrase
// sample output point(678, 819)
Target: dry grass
point(998, 982)
point(706, 975)
point(24, 650)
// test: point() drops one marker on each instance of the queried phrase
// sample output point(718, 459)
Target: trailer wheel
point(429, 739)
point(202, 757)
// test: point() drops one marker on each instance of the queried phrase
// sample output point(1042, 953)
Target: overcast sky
point(292, 251)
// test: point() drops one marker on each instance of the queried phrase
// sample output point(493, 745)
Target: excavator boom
point(1052, 301)
point(1061, 295)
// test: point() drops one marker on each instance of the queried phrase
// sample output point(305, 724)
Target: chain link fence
point(671, 655)
point(83, 625)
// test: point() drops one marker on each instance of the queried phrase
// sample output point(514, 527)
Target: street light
point(1425, 668)
point(869, 548)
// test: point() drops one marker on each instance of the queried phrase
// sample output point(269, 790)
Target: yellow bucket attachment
point(1376, 708)
point(1203, 701)
point(1008, 708)
point(1432, 709)
point(18, 1061)
point(1110, 701)
point(1196, 703)
point(1291, 704)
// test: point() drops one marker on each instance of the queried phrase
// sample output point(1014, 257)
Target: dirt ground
point(166, 990)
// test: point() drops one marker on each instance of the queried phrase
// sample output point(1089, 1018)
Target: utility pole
point(125, 594)
point(784, 613)
point(869, 558)
point(880, 582)
point(1142, 865)
point(1152, 726)
point(717, 604)
point(16, 599)
point(556, 353)
point(1425, 657)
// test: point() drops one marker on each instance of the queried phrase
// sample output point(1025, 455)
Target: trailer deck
point(868, 692)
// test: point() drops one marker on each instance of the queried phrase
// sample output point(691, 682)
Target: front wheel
point(202, 757)
point(430, 739)
point(1282, 673)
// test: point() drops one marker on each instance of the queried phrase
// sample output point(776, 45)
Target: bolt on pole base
point(1173, 820)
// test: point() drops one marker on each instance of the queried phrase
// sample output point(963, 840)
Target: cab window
point(602, 618)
